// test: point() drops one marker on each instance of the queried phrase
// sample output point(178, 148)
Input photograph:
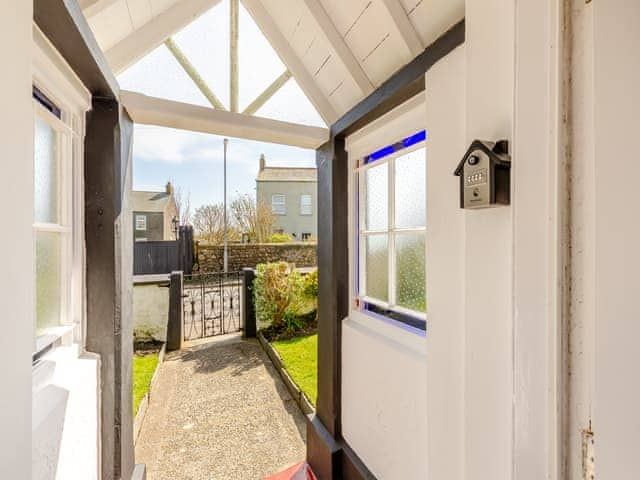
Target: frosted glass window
point(392, 228)
point(46, 173)
point(410, 190)
point(48, 281)
point(410, 271)
point(377, 267)
point(376, 197)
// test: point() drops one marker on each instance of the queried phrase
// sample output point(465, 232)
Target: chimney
point(169, 188)
point(263, 162)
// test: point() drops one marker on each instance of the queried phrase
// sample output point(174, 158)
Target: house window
point(278, 204)
point(391, 226)
point(141, 222)
point(53, 200)
point(305, 205)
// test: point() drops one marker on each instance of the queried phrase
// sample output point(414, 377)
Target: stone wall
point(210, 257)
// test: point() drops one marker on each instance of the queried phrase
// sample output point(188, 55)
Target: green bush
point(280, 238)
point(284, 298)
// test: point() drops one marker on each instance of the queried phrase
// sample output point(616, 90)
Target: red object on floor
point(300, 471)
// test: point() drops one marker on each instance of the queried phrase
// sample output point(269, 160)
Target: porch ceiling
point(338, 51)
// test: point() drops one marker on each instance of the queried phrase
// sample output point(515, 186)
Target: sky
point(194, 161)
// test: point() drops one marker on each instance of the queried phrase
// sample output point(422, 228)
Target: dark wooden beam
point(64, 24)
point(404, 84)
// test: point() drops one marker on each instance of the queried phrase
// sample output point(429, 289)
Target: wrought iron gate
point(211, 304)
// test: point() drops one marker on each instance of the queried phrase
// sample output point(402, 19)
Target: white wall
point(150, 310)
point(384, 366)
point(488, 293)
point(537, 240)
point(616, 77)
point(16, 282)
point(384, 393)
point(445, 121)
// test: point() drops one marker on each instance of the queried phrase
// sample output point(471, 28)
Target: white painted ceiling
point(347, 47)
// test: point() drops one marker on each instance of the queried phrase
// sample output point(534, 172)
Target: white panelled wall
point(16, 241)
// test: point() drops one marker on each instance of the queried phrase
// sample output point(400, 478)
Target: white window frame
point(402, 122)
point(306, 209)
point(391, 231)
point(275, 205)
point(55, 79)
point(142, 216)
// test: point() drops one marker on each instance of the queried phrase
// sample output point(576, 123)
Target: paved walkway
point(220, 411)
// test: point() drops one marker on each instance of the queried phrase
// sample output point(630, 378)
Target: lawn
point(300, 358)
point(143, 368)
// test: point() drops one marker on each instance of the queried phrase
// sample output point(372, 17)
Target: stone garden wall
point(210, 257)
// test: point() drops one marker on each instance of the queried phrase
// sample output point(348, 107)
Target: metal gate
point(211, 304)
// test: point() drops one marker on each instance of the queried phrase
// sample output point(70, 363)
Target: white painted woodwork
point(94, 7)
point(268, 92)
point(281, 45)
point(136, 45)
point(540, 203)
point(340, 49)
point(489, 247)
point(403, 26)
point(16, 285)
point(432, 18)
point(445, 123)
point(167, 113)
point(384, 366)
point(616, 94)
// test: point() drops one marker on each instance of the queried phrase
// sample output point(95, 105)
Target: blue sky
point(193, 161)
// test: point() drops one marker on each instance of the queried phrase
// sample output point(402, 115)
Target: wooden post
point(233, 56)
point(248, 309)
point(174, 324)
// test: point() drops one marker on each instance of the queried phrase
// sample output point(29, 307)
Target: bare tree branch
point(183, 204)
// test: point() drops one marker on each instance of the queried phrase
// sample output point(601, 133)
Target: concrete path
point(220, 411)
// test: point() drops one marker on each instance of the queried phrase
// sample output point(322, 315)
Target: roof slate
point(149, 201)
point(286, 174)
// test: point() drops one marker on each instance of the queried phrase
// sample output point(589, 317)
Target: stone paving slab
point(220, 411)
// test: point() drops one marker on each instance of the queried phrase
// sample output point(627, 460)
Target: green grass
point(143, 368)
point(300, 358)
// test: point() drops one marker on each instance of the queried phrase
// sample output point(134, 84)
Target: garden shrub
point(284, 298)
point(280, 238)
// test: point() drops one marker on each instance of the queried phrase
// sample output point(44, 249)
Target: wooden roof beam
point(343, 52)
point(404, 27)
point(168, 113)
point(153, 33)
point(289, 57)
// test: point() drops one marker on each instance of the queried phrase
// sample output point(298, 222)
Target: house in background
point(291, 193)
point(154, 214)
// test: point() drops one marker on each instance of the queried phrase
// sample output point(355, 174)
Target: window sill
point(54, 337)
point(405, 335)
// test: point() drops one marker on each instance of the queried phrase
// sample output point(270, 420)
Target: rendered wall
point(292, 222)
point(616, 86)
point(384, 397)
point(16, 283)
point(150, 311)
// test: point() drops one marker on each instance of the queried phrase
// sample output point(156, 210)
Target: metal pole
point(226, 141)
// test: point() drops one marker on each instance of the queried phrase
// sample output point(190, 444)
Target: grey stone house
point(153, 213)
point(291, 193)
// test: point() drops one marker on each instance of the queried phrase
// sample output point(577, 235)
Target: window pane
point(376, 192)
point(410, 271)
point(47, 281)
point(377, 279)
point(45, 173)
point(410, 186)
